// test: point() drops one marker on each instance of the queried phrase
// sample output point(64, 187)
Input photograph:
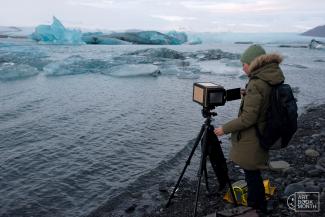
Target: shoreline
point(306, 173)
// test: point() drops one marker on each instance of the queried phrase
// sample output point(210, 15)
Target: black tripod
point(203, 137)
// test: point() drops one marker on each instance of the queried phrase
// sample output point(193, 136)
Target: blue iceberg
point(178, 37)
point(195, 40)
point(91, 37)
point(141, 37)
point(146, 37)
point(100, 38)
point(56, 34)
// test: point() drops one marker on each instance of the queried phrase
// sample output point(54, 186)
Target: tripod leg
point(205, 154)
point(202, 164)
point(197, 141)
point(206, 178)
point(198, 188)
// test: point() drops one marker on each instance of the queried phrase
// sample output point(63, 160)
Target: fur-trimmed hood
point(266, 67)
point(263, 60)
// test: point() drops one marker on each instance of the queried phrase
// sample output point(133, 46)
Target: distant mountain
point(318, 31)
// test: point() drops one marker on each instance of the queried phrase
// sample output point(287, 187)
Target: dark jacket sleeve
point(250, 111)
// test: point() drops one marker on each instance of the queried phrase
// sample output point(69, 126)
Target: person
point(263, 70)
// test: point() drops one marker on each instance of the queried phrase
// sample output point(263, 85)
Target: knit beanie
point(251, 53)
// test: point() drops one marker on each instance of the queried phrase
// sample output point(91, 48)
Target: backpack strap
point(258, 132)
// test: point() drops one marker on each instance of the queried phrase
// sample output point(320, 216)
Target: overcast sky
point(186, 15)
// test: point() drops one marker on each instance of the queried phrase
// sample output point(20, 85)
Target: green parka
point(246, 150)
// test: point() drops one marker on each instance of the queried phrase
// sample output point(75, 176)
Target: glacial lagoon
point(81, 125)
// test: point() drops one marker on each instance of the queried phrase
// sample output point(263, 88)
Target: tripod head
point(206, 112)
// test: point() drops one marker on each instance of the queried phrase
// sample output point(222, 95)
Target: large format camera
point(211, 95)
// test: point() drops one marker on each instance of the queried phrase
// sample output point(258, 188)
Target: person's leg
point(256, 191)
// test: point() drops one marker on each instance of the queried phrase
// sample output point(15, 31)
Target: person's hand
point(219, 131)
point(243, 92)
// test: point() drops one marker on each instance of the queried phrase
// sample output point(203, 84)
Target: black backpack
point(281, 118)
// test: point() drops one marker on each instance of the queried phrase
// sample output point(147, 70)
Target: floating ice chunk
point(56, 34)
point(11, 71)
point(156, 53)
point(22, 53)
point(211, 66)
point(75, 65)
point(145, 37)
point(213, 54)
point(111, 41)
point(177, 37)
point(229, 72)
point(178, 67)
point(150, 56)
point(133, 70)
point(295, 65)
point(186, 75)
point(100, 38)
point(194, 41)
point(319, 61)
point(169, 69)
point(314, 44)
point(220, 68)
point(232, 63)
point(293, 46)
point(91, 37)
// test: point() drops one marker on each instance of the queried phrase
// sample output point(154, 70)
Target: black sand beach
point(306, 174)
point(307, 169)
